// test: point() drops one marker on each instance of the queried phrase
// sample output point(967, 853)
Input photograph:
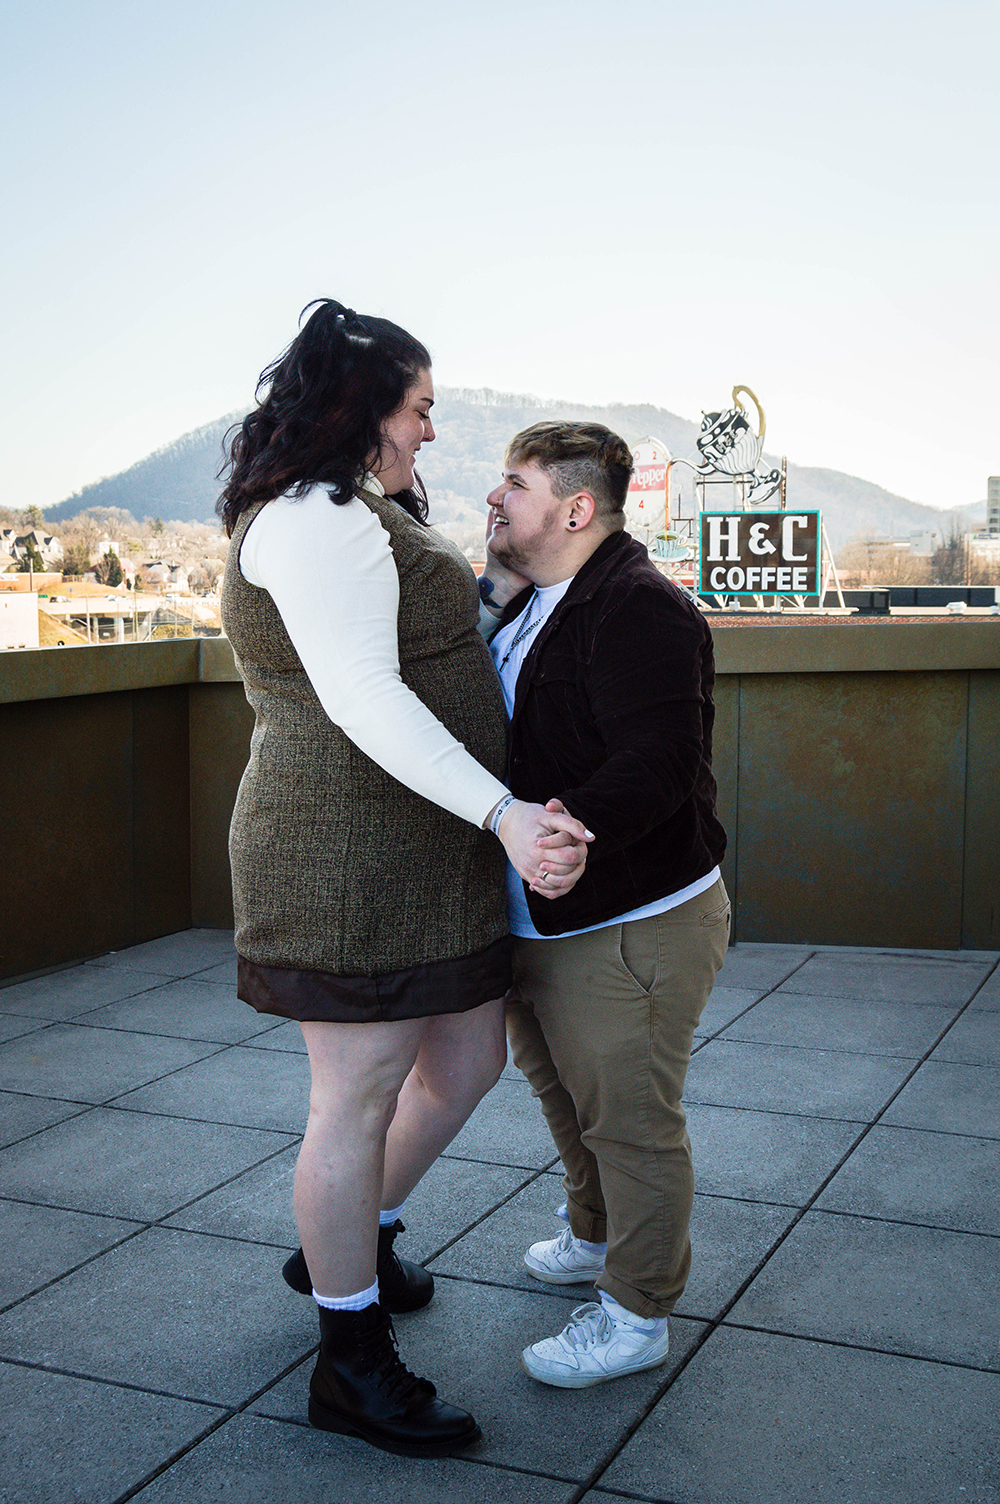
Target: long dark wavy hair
point(320, 410)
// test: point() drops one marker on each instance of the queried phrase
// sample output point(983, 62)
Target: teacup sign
point(728, 445)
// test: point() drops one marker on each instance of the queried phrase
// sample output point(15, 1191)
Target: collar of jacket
point(585, 582)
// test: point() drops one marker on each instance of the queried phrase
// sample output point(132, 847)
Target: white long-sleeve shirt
point(330, 572)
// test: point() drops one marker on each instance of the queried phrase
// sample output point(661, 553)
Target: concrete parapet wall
point(858, 769)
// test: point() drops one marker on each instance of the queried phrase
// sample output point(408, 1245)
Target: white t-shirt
point(510, 647)
point(330, 572)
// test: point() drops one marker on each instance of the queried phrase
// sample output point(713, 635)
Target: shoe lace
point(588, 1325)
point(396, 1381)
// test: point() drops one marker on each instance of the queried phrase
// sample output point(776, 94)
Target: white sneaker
point(592, 1348)
point(563, 1261)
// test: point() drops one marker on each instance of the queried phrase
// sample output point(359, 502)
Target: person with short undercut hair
point(607, 671)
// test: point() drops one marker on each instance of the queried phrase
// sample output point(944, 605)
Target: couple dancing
point(463, 805)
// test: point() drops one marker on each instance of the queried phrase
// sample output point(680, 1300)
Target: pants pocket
point(716, 916)
point(638, 952)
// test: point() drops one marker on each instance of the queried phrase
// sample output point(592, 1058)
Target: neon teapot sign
point(728, 445)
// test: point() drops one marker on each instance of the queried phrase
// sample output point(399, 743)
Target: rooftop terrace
point(837, 1342)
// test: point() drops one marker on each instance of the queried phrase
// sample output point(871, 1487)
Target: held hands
point(546, 846)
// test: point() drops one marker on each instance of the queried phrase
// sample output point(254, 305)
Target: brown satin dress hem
point(452, 986)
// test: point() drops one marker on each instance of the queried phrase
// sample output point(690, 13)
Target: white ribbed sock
point(653, 1326)
point(357, 1302)
point(386, 1219)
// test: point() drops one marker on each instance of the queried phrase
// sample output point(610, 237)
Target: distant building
point(993, 505)
point(924, 544)
point(50, 548)
point(19, 621)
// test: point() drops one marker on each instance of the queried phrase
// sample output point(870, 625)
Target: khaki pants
point(602, 1026)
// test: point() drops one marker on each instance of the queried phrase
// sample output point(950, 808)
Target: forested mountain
point(177, 483)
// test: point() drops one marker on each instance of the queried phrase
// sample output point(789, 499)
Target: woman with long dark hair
point(368, 878)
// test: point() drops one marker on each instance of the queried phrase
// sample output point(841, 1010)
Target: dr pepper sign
point(760, 553)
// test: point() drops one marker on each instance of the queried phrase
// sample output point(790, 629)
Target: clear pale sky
point(602, 202)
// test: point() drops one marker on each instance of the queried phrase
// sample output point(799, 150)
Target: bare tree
point(868, 561)
point(950, 562)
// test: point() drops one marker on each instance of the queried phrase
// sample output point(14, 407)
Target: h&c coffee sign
point(760, 553)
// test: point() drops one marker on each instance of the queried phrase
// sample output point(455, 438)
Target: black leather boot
point(402, 1286)
point(360, 1387)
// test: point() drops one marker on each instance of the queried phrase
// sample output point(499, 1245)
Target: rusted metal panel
point(851, 808)
point(725, 762)
point(981, 878)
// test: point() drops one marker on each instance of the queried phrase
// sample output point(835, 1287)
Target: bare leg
point(460, 1058)
point(357, 1071)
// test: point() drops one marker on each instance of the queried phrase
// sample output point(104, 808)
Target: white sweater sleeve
point(330, 572)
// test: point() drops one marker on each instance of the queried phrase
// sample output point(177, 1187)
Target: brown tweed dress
point(355, 898)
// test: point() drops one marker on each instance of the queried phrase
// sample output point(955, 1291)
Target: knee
point(366, 1110)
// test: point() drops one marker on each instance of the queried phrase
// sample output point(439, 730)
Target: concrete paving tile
point(855, 1025)
point(728, 1240)
point(91, 1065)
point(756, 1417)
point(41, 1242)
point(253, 1460)
point(974, 1040)
point(988, 996)
point(12, 1026)
point(725, 1004)
point(950, 1098)
point(67, 994)
point(469, 1343)
point(69, 1441)
point(21, 1116)
point(778, 1078)
point(494, 1251)
point(287, 1036)
point(910, 1176)
point(256, 1088)
point(507, 1128)
point(761, 967)
point(912, 1290)
point(256, 1206)
point(453, 1195)
point(764, 1156)
point(185, 1010)
point(224, 971)
point(896, 978)
point(199, 1317)
point(172, 955)
point(128, 1164)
